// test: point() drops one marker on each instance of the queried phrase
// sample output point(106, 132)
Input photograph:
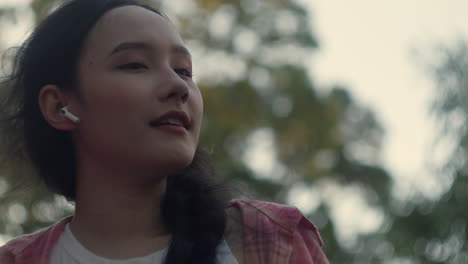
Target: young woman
point(104, 106)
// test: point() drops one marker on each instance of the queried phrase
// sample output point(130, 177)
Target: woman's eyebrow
point(176, 49)
point(179, 49)
point(131, 46)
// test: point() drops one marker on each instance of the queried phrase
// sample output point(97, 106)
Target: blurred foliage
point(432, 230)
point(254, 82)
point(447, 217)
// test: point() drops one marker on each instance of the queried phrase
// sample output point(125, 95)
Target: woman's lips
point(172, 118)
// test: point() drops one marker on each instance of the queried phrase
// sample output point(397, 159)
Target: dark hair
point(194, 204)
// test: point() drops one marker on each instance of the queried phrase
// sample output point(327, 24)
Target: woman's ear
point(51, 102)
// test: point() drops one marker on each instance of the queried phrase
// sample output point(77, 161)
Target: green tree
point(447, 222)
point(257, 89)
point(433, 230)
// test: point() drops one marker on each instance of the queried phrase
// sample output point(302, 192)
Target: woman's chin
point(175, 161)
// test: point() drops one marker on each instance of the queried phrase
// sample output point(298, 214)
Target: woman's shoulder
point(28, 246)
point(257, 213)
point(277, 233)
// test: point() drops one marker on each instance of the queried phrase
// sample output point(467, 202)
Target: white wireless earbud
point(69, 115)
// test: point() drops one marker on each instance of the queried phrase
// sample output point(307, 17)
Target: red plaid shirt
point(273, 234)
point(278, 234)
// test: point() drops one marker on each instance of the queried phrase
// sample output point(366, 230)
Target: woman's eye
point(183, 72)
point(133, 66)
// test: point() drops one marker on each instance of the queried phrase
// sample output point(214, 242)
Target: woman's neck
point(118, 216)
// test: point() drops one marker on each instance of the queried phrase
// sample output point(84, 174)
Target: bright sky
point(367, 45)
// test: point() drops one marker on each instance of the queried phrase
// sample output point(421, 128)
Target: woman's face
point(138, 103)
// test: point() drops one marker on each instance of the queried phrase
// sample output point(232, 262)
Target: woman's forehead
point(131, 24)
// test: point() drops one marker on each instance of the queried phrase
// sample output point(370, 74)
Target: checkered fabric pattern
point(272, 234)
point(278, 234)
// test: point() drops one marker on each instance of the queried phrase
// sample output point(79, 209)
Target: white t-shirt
point(70, 251)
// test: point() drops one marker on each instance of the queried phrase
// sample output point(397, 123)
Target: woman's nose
point(174, 87)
